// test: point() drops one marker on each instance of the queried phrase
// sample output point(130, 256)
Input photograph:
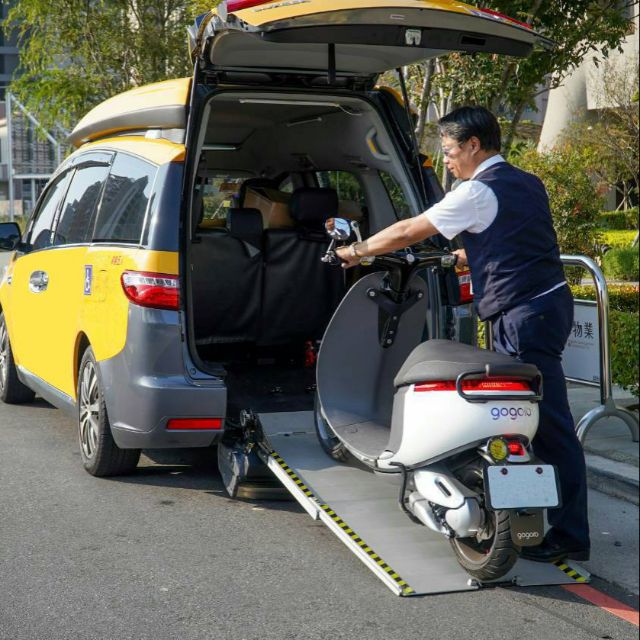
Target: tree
point(507, 85)
point(76, 53)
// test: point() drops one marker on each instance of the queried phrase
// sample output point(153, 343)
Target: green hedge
point(619, 238)
point(619, 219)
point(622, 264)
point(625, 352)
point(622, 297)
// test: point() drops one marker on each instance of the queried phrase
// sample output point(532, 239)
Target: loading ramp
point(362, 511)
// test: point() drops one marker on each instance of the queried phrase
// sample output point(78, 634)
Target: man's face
point(460, 158)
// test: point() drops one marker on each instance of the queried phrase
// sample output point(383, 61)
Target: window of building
point(42, 225)
point(125, 201)
point(78, 211)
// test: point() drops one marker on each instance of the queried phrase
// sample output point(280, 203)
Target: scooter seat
point(437, 360)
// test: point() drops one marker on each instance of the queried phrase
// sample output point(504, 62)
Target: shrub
point(621, 263)
point(623, 338)
point(618, 238)
point(622, 297)
point(619, 219)
point(574, 200)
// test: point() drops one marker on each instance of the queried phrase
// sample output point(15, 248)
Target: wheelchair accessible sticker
point(88, 277)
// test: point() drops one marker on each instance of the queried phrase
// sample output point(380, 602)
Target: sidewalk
point(612, 456)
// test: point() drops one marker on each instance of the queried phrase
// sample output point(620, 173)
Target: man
point(503, 216)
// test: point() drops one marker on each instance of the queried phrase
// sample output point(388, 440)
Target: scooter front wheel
point(490, 558)
point(329, 442)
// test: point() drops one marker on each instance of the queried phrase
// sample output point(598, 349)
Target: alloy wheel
point(89, 410)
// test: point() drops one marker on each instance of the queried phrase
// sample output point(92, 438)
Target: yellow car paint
point(157, 151)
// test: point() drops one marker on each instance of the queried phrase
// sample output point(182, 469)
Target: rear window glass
point(77, 217)
point(40, 235)
point(396, 195)
point(125, 201)
point(346, 185)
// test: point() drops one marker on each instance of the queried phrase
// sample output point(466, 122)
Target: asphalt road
point(164, 554)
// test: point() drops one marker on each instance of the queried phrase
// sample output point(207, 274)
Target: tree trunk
point(425, 101)
point(513, 128)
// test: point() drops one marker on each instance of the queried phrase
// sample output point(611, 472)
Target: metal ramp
point(362, 510)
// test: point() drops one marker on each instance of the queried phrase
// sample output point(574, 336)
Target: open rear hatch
point(349, 38)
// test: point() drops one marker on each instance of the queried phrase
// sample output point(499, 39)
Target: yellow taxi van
point(170, 274)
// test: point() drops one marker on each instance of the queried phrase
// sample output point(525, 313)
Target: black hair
point(465, 122)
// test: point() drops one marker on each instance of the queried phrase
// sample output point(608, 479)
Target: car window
point(78, 211)
point(396, 196)
point(42, 225)
point(125, 200)
point(346, 185)
point(219, 194)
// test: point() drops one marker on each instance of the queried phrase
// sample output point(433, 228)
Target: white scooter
point(451, 423)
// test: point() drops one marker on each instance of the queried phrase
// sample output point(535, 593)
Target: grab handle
point(519, 370)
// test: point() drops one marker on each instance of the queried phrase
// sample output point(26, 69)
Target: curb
point(613, 478)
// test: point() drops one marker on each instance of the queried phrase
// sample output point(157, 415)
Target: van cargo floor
point(362, 510)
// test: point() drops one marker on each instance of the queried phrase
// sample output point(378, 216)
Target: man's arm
point(398, 236)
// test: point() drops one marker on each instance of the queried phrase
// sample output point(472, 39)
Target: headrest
point(245, 225)
point(313, 206)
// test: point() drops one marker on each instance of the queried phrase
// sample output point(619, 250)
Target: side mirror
point(338, 228)
point(9, 236)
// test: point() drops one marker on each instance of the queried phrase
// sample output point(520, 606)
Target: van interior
point(273, 167)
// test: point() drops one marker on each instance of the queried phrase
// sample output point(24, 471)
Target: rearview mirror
point(338, 228)
point(9, 236)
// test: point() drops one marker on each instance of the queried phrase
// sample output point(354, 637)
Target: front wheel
point(100, 455)
point(489, 556)
point(12, 390)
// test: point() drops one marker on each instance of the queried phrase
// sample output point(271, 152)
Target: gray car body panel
point(148, 383)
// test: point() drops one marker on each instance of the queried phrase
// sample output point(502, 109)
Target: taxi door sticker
point(88, 277)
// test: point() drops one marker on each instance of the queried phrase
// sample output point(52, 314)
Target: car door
point(349, 40)
point(55, 278)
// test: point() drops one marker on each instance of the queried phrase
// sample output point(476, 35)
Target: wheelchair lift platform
point(362, 510)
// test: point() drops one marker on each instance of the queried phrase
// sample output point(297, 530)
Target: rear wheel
point(329, 442)
point(100, 455)
point(12, 391)
point(491, 554)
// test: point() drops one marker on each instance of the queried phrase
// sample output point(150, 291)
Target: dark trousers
point(536, 332)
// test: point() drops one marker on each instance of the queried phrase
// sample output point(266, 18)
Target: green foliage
point(619, 219)
point(622, 297)
point(619, 239)
point(623, 338)
point(575, 203)
point(621, 264)
point(75, 54)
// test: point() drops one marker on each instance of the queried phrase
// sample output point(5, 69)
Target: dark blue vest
point(517, 256)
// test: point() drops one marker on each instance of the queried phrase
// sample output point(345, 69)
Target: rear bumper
point(147, 384)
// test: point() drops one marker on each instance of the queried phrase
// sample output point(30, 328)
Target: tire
point(100, 455)
point(493, 556)
point(489, 559)
point(12, 391)
point(329, 442)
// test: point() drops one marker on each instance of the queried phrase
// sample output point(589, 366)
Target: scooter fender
point(437, 485)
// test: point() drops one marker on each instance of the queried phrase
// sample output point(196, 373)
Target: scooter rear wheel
point(329, 442)
point(489, 559)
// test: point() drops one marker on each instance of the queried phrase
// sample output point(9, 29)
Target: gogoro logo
point(512, 413)
point(527, 535)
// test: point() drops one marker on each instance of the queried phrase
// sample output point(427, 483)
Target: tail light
point(466, 290)
point(502, 16)
point(154, 290)
point(238, 5)
point(194, 424)
point(493, 384)
point(516, 448)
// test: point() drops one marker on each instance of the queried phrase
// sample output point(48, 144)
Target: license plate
point(521, 486)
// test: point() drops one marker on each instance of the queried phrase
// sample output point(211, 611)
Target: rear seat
point(227, 279)
point(300, 293)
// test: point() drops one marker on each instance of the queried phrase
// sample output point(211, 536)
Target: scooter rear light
point(494, 384)
point(154, 290)
point(194, 424)
point(466, 290)
point(516, 448)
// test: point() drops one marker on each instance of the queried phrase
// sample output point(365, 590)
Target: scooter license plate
point(521, 486)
